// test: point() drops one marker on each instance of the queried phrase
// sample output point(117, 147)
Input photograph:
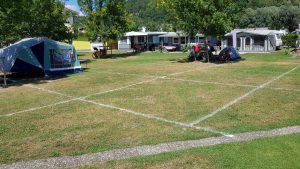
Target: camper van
point(277, 38)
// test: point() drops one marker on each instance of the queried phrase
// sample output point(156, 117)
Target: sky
point(72, 4)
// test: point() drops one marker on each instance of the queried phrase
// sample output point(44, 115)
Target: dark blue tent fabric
point(234, 55)
point(25, 68)
point(38, 51)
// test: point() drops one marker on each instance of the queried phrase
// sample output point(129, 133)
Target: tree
point(283, 17)
point(147, 13)
point(211, 17)
point(32, 18)
point(107, 19)
point(289, 16)
point(261, 17)
point(265, 3)
point(290, 40)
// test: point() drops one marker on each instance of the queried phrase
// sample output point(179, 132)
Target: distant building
point(253, 40)
point(71, 20)
point(151, 40)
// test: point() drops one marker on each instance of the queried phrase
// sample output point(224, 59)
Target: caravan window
point(182, 40)
point(193, 40)
point(176, 40)
point(161, 40)
point(278, 36)
point(150, 39)
point(141, 39)
point(61, 58)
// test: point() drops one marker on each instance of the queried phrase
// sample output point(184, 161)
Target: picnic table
point(170, 48)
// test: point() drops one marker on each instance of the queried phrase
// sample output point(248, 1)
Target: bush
point(186, 48)
point(290, 40)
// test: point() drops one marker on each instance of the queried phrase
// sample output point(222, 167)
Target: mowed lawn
point(150, 98)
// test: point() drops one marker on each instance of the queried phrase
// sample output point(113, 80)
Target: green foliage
point(289, 17)
point(186, 48)
point(32, 18)
point(273, 17)
point(209, 17)
point(265, 3)
point(290, 40)
point(82, 37)
point(107, 20)
point(148, 13)
point(79, 23)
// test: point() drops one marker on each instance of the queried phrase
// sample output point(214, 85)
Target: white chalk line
point(42, 89)
point(228, 84)
point(129, 74)
point(241, 97)
point(38, 108)
point(197, 81)
point(124, 87)
point(208, 82)
point(66, 101)
point(157, 118)
point(146, 81)
point(83, 99)
point(123, 110)
point(121, 88)
point(76, 98)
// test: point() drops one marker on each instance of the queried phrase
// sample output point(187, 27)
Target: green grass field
point(43, 117)
point(279, 152)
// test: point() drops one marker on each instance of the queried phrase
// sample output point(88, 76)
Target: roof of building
point(161, 34)
point(133, 33)
point(72, 11)
point(170, 34)
point(255, 31)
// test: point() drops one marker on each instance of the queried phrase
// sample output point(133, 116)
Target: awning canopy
point(178, 34)
point(262, 32)
point(170, 34)
point(136, 34)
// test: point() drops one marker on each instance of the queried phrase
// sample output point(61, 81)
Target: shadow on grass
point(213, 59)
point(119, 55)
point(18, 79)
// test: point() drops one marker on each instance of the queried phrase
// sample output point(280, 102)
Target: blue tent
point(40, 55)
point(234, 55)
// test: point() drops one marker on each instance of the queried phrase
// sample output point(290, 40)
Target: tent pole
point(4, 72)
